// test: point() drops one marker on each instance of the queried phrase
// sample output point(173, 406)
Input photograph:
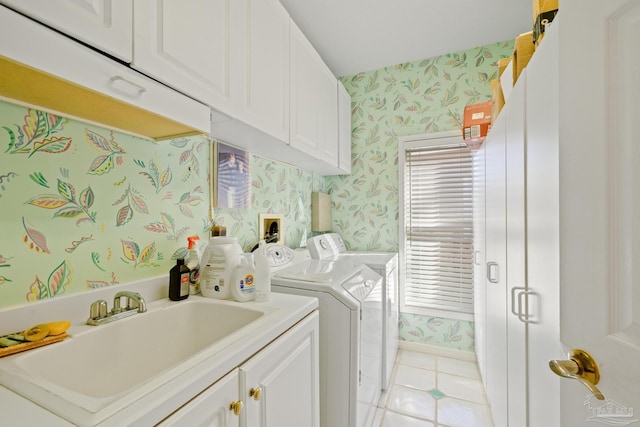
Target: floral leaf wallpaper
point(77, 202)
point(406, 99)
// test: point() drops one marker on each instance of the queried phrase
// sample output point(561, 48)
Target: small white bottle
point(263, 273)
point(243, 280)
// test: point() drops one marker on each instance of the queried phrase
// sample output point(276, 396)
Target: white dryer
point(331, 247)
point(350, 341)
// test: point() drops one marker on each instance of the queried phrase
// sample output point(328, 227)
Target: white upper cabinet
point(269, 90)
point(314, 102)
point(261, 70)
point(187, 45)
point(105, 24)
point(344, 129)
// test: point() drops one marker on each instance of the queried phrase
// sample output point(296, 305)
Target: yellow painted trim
point(33, 87)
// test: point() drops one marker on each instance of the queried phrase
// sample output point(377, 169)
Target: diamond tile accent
point(436, 394)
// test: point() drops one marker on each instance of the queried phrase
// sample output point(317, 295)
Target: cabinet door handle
point(236, 407)
point(126, 86)
point(491, 268)
point(255, 393)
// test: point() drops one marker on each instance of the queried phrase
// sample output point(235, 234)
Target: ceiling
point(353, 36)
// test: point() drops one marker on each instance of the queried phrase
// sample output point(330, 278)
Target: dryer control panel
point(326, 246)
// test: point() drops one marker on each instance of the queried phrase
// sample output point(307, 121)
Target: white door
point(187, 46)
point(344, 129)
point(280, 385)
point(479, 278)
point(583, 261)
point(516, 254)
point(260, 75)
point(496, 269)
point(217, 406)
point(314, 102)
point(104, 24)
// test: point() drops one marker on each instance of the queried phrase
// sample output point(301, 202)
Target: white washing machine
point(350, 342)
point(331, 247)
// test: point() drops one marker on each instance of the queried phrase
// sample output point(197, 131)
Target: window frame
point(411, 142)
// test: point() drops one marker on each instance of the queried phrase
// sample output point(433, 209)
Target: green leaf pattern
point(406, 99)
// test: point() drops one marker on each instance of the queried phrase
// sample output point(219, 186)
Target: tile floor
point(433, 391)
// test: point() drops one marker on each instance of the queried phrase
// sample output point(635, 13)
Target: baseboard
point(438, 350)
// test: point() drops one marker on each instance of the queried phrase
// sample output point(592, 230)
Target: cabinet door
point(314, 102)
point(496, 291)
point(211, 408)
point(344, 129)
point(261, 73)
point(280, 384)
point(516, 258)
point(187, 45)
point(479, 252)
point(105, 24)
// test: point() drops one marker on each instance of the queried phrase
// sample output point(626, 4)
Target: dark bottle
point(179, 281)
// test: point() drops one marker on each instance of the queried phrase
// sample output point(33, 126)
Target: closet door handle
point(513, 299)
point(524, 317)
point(493, 272)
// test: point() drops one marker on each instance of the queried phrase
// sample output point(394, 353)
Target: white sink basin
point(106, 371)
point(115, 357)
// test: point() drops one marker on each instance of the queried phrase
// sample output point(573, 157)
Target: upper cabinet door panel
point(305, 73)
point(105, 24)
point(186, 45)
point(344, 129)
point(314, 102)
point(265, 67)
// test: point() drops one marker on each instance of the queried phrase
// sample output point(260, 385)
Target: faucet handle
point(98, 309)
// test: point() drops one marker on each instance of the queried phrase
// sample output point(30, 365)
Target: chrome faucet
point(98, 314)
point(134, 301)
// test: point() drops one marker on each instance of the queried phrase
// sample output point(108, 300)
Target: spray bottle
point(193, 263)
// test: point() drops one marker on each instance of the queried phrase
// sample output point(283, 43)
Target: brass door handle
point(581, 366)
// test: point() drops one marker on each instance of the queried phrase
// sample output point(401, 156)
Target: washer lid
point(365, 282)
point(318, 271)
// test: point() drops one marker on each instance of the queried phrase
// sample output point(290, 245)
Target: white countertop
point(153, 403)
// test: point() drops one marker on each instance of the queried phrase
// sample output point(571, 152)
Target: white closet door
point(516, 255)
point(496, 292)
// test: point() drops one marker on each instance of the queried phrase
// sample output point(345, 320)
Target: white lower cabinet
point(213, 407)
point(278, 386)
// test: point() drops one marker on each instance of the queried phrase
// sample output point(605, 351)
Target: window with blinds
point(438, 229)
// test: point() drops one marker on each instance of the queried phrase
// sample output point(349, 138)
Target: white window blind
point(438, 228)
